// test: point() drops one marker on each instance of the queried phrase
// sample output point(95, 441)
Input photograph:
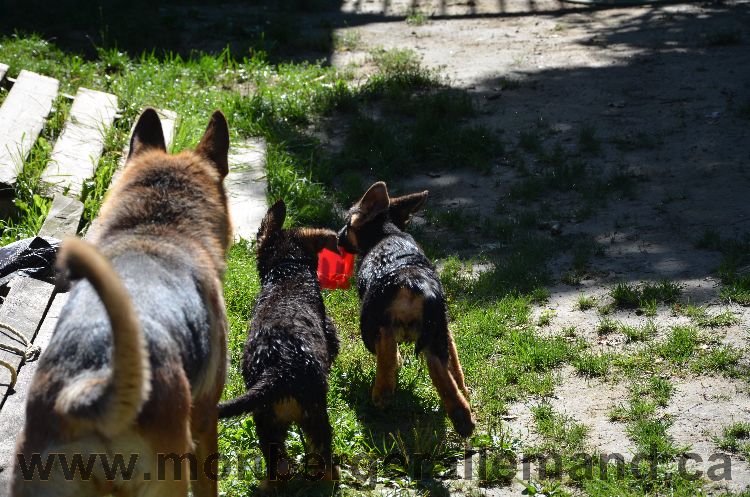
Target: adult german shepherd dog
point(136, 365)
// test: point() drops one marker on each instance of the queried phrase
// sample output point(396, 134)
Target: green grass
point(402, 119)
point(646, 296)
point(593, 364)
point(735, 438)
point(702, 318)
point(584, 303)
point(733, 270)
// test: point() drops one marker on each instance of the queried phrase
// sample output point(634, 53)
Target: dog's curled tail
point(247, 402)
point(129, 385)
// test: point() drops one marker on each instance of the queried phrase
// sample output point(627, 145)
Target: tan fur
point(288, 411)
point(131, 372)
point(173, 416)
point(386, 352)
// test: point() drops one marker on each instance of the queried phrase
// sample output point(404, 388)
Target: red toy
point(334, 270)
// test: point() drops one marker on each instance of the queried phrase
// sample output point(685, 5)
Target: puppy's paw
point(463, 421)
point(382, 398)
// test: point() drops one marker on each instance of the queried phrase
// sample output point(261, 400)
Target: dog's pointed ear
point(272, 222)
point(316, 239)
point(374, 201)
point(401, 208)
point(147, 134)
point(215, 142)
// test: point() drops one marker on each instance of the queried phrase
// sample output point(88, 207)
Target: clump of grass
point(347, 41)
point(416, 18)
point(724, 359)
point(607, 326)
point(639, 333)
point(592, 364)
point(679, 345)
point(588, 141)
point(735, 438)
point(733, 272)
point(545, 318)
point(645, 297)
point(701, 317)
point(560, 432)
point(584, 303)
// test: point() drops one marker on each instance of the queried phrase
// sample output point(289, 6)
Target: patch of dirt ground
point(665, 91)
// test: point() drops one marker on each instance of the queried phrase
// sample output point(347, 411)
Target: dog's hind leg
point(271, 435)
point(455, 366)
point(317, 428)
point(455, 404)
point(204, 421)
point(386, 350)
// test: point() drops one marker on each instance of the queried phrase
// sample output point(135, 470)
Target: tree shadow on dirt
point(287, 30)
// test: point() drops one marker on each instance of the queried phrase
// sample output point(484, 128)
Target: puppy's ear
point(314, 239)
point(273, 221)
point(374, 201)
point(215, 142)
point(401, 208)
point(147, 134)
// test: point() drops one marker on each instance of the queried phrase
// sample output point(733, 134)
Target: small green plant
point(680, 344)
point(639, 333)
point(592, 364)
point(645, 297)
point(416, 18)
point(701, 317)
point(607, 326)
point(545, 318)
point(585, 303)
point(588, 141)
point(735, 438)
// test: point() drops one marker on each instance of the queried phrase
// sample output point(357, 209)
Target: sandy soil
point(663, 87)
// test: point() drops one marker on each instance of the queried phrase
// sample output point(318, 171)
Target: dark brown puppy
point(290, 344)
point(136, 364)
point(402, 300)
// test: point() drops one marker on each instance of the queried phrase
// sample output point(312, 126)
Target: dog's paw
point(463, 421)
point(382, 398)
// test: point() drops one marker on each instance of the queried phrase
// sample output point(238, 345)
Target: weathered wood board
point(246, 187)
point(63, 217)
point(80, 145)
point(23, 309)
point(13, 413)
point(22, 118)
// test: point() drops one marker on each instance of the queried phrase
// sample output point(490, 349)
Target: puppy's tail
point(127, 388)
point(249, 401)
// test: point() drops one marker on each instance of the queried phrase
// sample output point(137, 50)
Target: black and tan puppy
point(136, 365)
point(290, 344)
point(402, 300)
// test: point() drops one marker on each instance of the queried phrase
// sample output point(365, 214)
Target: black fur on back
point(290, 343)
point(389, 260)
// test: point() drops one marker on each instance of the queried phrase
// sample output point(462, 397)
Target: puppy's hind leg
point(271, 435)
point(455, 404)
point(386, 350)
point(455, 366)
point(317, 428)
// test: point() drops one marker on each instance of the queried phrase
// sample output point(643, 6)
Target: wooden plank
point(246, 187)
point(22, 118)
point(23, 310)
point(63, 217)
point(3, 70)
point(169, 124)
point(79, 147)
point(13, 412)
